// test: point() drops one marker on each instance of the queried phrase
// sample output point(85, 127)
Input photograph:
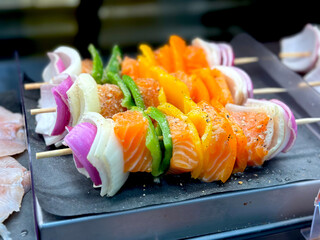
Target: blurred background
point(33, 27)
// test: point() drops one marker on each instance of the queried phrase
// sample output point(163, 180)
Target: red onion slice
point(80, 139)
point(227, 54)
point(62, 60)
point(305, 41)
point(60, 65)
point(63, 113)
point(247, 80)
point(291, 124)
point(224, 55)
point(63, 87)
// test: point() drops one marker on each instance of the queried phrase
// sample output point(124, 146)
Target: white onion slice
point(106, 155)
point(62, 60)
point(305, 41)
point(83, 97)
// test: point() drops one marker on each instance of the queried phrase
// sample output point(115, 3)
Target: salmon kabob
point(208, 141)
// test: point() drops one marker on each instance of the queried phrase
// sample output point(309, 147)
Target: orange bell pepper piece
point(178, 47)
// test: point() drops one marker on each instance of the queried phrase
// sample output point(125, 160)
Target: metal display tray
point(219, 215)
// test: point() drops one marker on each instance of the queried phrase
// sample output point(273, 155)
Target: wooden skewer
point(280, 90)
point(255, 91)
point(268, 90)
point(294, 54)
point(68, 151)
point(245, 60)
point(54, 153)
point(312, 84)
point(42, 110)
point(302, 121)
point(32, 86)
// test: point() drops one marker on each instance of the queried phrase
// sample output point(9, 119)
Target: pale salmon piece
point(255, 127)
point(242, 144)
point(149, 89)
point(222, 150)
point(11, 133)
point(110, 97)
point(86, 66)
point(184, 155)
point(131, 130)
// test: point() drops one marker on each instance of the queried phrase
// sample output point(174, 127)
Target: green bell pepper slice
point(153, 144)
point(114, 64)
point(162, 121)
point(127, 101)
point(134, 91)
point(97, 66)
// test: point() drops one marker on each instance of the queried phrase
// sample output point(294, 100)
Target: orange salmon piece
point(131, 129)
point(254, 126)
point(171, 110)
point(149, 89)
point(242, 145)
point(164, 58)
point(86, 66)
point(184, 154)
point(222, 149)
point(110, 97)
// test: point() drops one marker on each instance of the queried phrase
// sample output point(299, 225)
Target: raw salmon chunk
point(131, 129)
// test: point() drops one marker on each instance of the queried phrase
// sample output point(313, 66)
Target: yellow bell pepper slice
point(148, 54)
point(162, 96)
